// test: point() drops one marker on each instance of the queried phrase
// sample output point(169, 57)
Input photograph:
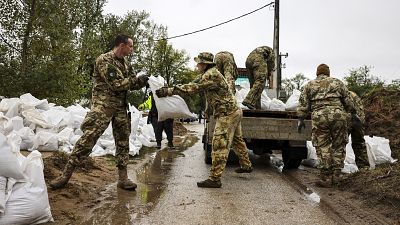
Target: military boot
point(248, 105)
point(209, 184)
point(62, 180)
point(325, 181)
point(244, 170)
point(171, 145)
point(123, 181)
point(158, 145)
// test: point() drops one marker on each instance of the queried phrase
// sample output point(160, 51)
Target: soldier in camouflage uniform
point(112, 79)
point(260, 63)
point(357, 132)
point(227, 67)
point(228, 128)
point(327, 99)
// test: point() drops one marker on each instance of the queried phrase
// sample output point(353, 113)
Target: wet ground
point(167, 194)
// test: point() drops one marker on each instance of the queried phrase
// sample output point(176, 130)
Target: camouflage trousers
point(358, 144)
point(258, 74)
point(329, 136)
point(227, 134)
point(94, 125)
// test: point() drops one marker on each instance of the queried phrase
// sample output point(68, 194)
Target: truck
point(265, 131)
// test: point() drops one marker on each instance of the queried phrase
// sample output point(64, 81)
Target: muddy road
point(167, 194)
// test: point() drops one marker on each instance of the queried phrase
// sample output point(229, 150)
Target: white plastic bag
point(168, 107)
point(293, 100)
point(28, 202)
point(46, 141)
point(9, 165)
point(277, 105)
point(3, 185)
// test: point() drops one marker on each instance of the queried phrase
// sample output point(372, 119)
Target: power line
point(210, 27)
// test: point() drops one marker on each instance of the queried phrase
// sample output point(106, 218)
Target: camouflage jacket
point(358, 106)
point(324, 93)
point(112, 78)
point(263, 54)
point(226, 65)
point(216, 89)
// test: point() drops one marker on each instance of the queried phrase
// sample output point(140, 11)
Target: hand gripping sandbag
point(168, 107)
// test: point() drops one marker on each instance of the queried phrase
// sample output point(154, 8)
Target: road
point(167, 194)
point(262, 197)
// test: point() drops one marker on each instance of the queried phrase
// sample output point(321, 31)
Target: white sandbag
point(16, 123)
point(65, 135)
point(54, 116)
point(9, 165)
point(293, 100)
point(29, 100)
point(10, 107)
point(134, 147)
point(5, 126)
point(277, 105)
point(265, 101)
point(45, 141)
point(379, 150)
point(168, 107)
point(3, 185)
point(34, 116)
point(241, 93)
point(14, 140)
point(148, 132)
point(98, 151)
point(77, 115)
point(28, 202)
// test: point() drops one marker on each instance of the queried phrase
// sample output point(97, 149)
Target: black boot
point(244, 170)
point(171, 145)
point(209, 184)
point(158, 145)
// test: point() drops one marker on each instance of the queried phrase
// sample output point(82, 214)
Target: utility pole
point(277, 76)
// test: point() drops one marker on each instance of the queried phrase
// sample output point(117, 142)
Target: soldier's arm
point(304, 104)
point(205, 83)
point(346, 98)
point(113, 76)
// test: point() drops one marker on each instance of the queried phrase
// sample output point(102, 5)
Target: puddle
point(126, 207)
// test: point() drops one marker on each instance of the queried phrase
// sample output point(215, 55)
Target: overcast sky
point(344, 34)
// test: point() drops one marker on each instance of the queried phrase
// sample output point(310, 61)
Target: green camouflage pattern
point(260, 63)
point(357, 131)
point(112, 79)
point(218, 96)
point(227, 134)
point(226, 65)
point(326, 98)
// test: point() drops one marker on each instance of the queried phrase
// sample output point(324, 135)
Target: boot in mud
point(123, 181)
point(62, 180)
point(209, 184)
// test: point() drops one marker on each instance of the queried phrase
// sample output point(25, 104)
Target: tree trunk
point(28, 30)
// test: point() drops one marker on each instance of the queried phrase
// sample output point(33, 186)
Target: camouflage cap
point(205, 57)
point(323, 69)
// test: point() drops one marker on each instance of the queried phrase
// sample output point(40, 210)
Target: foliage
point(361, 81)
point(48, 48)
point(296, 82)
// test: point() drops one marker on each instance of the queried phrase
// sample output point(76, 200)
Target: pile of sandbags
point(44, 126)
point(23, 192)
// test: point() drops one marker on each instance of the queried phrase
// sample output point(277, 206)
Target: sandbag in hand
point(300, 125)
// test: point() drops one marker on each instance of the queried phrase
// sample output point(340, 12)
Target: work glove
point(300, 125)
point(163, 92)
point(143, 80)
point(355, 121)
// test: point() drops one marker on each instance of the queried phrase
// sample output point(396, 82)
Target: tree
point(361, 81)
point(296, 82)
